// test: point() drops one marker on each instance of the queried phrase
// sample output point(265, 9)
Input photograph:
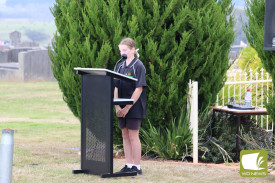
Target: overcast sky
point(238, 3)
point(39, 9)
point(26, 9)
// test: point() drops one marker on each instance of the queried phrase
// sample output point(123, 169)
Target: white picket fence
point(236, 85)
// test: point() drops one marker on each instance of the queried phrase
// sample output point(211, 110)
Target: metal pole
point(6, 156)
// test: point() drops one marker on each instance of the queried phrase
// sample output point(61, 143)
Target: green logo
point(253, 163)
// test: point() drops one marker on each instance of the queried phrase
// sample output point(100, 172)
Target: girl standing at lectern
point(130, 116)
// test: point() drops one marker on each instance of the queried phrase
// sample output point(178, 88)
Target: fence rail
point(236, 85)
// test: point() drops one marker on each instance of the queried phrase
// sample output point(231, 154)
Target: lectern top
point(104, 72)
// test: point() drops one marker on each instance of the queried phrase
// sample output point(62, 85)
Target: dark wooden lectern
point(97, 100)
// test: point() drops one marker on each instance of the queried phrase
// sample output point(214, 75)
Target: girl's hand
point(125, 110)
point(118, 112)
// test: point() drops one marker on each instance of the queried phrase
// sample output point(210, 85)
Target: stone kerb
point(35, 65)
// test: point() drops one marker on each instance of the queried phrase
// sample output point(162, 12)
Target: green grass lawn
point(37, 100)
point(47, 143)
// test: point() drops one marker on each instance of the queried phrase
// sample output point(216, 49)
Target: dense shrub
point(218, 143)
point(174, 142)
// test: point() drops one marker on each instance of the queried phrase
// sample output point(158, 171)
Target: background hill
point(34, 20)
point(241, 18)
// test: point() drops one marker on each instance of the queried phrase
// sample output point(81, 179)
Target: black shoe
point(135, 169)
point(125, 169)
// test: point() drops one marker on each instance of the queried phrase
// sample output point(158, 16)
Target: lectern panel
point(269, 26)
point(96, 124)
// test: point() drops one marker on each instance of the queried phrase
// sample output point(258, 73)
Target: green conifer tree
point(254, 30)
point(211, 24)
point(178, 40)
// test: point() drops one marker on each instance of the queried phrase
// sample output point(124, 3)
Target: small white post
point(257, 75)
point(228, 93)
point(223, 96)
point(194, 119)
point(245, 78)
point(240, 88)
point(6, 156)
point(251, 78)
point(267, 86)
point(234, 86)
point(262, 93)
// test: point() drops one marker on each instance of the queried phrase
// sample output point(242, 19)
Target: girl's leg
point(135, 145)
point(127, 146)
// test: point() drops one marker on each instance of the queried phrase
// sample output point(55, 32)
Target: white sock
point(138, 166)
point(129, 165)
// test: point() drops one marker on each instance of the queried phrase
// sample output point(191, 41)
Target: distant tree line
point(36, 36)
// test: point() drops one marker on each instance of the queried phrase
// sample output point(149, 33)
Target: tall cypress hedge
point(178, 40)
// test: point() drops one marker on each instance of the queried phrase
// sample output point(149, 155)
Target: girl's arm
point(118, 108)
point(135, 96)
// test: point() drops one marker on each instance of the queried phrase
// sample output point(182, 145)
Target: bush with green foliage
point(178, 41)
point(218, 143)
point(260, 140)
point(249, 59)
point(174, 142)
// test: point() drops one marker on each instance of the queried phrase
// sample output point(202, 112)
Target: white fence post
point(193, 99)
